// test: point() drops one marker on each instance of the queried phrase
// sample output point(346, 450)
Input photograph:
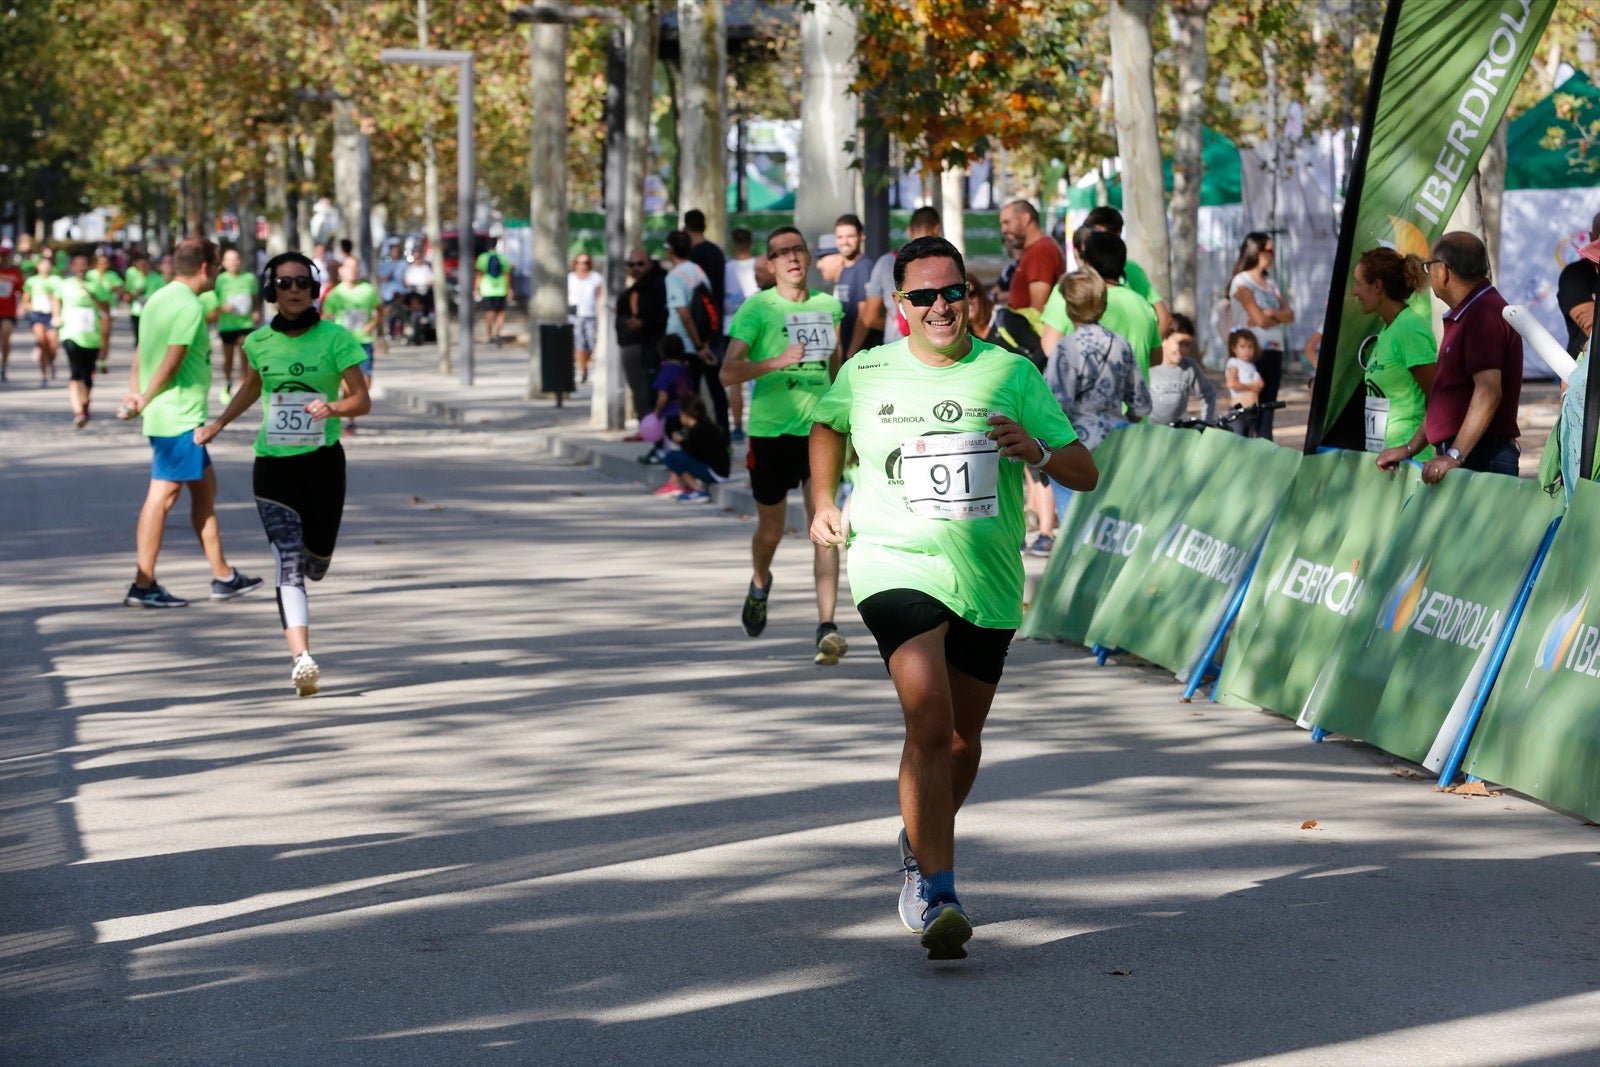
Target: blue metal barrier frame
point(1502, 645)
point(1208, 659)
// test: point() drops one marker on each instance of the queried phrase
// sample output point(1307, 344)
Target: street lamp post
point(466, 181)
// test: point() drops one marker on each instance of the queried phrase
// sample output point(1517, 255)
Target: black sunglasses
point(926, 298)
point(292, 281)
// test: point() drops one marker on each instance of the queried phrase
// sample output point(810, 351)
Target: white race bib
point(79, 321)
point(239, 303)
point(951, 476)
point(5, 288)
point(355, 320)
point(815, 330)
point(841, 292)
point(138, 307)
point(1377, 420)
point(289, 423)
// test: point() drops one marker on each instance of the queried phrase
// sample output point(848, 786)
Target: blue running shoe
point(945, 930)
point(911, 891)
point(152, 597)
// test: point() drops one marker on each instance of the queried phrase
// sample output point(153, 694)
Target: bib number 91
point(951, 476)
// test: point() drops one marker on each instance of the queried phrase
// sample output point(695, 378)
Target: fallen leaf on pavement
point(1470, 789)
point(1407, 772)
point(414, 500)
point(1310, 824)
point(436, 507)
point(1119, 972)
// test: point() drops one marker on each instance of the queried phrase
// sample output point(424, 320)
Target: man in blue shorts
point(169, 387)
point(944, 425)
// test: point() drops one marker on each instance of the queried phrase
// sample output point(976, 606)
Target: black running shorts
point(895, 616)
point(777, 465)
point(81, 361)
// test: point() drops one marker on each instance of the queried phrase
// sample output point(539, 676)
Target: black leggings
point(1269, 361)
point(301, 502)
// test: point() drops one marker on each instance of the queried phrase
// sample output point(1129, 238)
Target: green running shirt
point(888, 401)
point(781, 402)
point(297, 369)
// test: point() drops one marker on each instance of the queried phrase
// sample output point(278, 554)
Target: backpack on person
point(703, 311)
point(495, 267)
point(1013, 330)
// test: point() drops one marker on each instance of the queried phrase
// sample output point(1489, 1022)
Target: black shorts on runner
point(80, 362)
point(492, 303)
point(233, 337)
point(777, 465)
point(895, 616)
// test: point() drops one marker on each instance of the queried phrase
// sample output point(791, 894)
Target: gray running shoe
point(831, 645)
point(152, 597)
point(946, 930)
point(910, 898)
point(305, 674)
point(237, 584)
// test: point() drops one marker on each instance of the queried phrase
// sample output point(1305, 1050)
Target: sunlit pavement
point(553, 806)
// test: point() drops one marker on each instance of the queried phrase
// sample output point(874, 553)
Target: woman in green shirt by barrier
point(1399, 362)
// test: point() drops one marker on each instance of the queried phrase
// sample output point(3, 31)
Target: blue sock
point(939, 886)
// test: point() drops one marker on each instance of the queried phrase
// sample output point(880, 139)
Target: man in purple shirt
point(1472, 409)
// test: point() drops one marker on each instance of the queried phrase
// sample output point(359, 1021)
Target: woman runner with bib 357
point(298, 361)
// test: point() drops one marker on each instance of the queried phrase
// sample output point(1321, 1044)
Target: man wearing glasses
point(1472, 408)
point(943, 424)
point(786, 340)
point(169, 387)
point(641, 323)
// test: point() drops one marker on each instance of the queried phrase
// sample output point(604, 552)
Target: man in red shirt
point(10, 286)
point(1041, 263)
point(1472, 408)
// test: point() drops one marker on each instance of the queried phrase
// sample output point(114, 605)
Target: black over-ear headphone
point(269, 291)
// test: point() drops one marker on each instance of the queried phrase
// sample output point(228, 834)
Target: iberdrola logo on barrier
point(1411, 605)
point(1560, 645)
point(1401, 603)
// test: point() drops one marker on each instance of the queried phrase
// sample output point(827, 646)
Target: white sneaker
point(910, 901)
point(305, 674)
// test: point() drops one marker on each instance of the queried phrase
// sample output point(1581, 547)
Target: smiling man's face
point(941, 327)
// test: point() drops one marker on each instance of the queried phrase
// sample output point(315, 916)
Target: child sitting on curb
point(672, 385)
point(702, 458)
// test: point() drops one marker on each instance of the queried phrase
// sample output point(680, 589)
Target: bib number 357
point(289, 423)
point(951, 476)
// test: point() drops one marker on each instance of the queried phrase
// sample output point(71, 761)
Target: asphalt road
point(553, 807)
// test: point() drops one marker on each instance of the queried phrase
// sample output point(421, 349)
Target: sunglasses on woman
point(926, 298)
point(292, 281)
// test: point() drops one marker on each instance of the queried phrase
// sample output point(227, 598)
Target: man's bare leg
point(203, 517)
point(152, 526)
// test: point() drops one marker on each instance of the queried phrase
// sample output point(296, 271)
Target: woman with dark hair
point(1258, 306)
point(301, 364)
point(1399, 362)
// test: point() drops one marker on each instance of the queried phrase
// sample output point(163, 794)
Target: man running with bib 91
point(786, 340)
point(943, 424)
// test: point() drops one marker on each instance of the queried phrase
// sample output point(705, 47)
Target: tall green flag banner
point(1441, 80)
point(1338, 519)
point(1430, 610)
point(1166, 603)
point(1147, 473)
point(1540, 732)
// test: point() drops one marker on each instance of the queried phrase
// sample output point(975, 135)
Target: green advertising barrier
point(1430, 610)
point(1166, 603)
point(1144, 479)
point(1540, 732)
point(1336, 522)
